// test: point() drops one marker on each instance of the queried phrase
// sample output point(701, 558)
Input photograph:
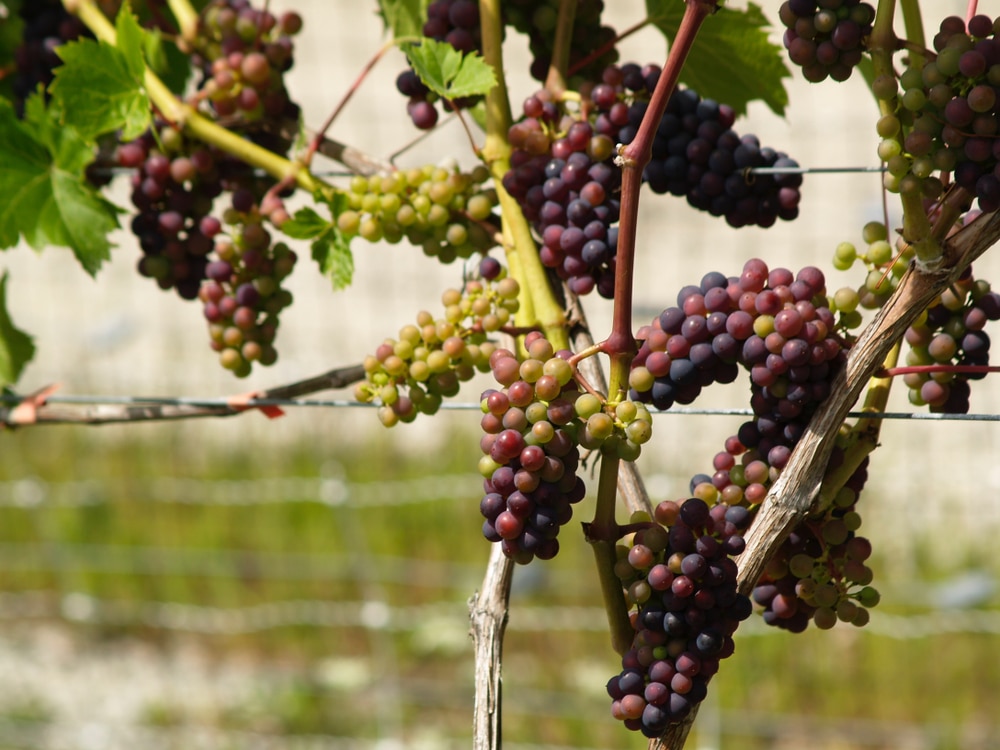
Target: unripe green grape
point(600, 425)
point(587, 404)
point(627, 450)
point(640, 379)
point(914, 99)
point(888, 148)
point(846, 300)
point(639, 431)
point(349, 222)
point(845, 254)
point(887, 126)
point(879, 253)
point(626, 411)
point(559, 369)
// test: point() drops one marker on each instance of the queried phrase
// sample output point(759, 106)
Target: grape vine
point(191, 106)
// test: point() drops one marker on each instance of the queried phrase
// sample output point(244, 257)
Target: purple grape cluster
point(819, 574)
point(530, 451)
point(681, 579)
point(537, 19)
point(826, 38)
point(770, 322)
point(951, 333)
point(568, 188)
point(697, 154)
point(457, 23)
point(174, 186)
point(47, 25)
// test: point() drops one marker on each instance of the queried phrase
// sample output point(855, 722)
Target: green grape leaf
point(403, 17)
point(100, 86)
point(331, 248)
point(16, 347)
point(449, 73)
point(47, 200)
point(732, 60)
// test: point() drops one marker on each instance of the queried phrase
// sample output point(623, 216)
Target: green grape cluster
point(429, 361)
point(446, 212)
point(884, 264)
point(951, 333)
point(946, 115)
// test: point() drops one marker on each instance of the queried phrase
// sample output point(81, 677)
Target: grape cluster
point(47, 25)
point(885, 266)
point(411, 375)
point(950, 332)
point(681, 580)
point(531, 451)
point(819, 574)
point(946, 118)
point(568, 188)
point(243, 54)
point(447, 212)
point(826, 38)
point(538, 20)
point(697, 154)
point(242, 293)
point(772, 323)
point(457, 23)
point(174, 186)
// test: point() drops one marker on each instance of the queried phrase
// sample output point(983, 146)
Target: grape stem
point(187, 20)
point(527, 267)
point(555, 79)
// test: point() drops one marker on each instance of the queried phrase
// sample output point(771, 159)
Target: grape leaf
point(16, 347)
point(731, 60)
point(404, 17)
point(172, 66)
point(46, 197)
point(331, 248)
point(449, 73)
point(100, 86)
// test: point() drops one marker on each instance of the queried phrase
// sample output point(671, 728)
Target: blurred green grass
point(126, 544)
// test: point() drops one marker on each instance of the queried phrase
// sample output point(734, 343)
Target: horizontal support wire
point(378, 615)
point(218, 403)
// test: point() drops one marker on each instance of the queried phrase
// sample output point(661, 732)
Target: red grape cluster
point(457, 23)
point(243, 53)
point(531, 451)
point(946, 118)
point(951, 332)
point(681, 579)
point(826, 38)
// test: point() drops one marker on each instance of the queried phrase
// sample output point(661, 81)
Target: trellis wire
point(377, 615)
point(215, 403)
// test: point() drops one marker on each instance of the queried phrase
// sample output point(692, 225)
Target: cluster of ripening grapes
point(242, 293)
point(946, 115)
point(446, 212)
point(243, 54)
point(429, 361)
point(680, 579)
point(818, 575)
point(535, 425)
point(564, 177)
point(946, 338)
point(826, 38)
